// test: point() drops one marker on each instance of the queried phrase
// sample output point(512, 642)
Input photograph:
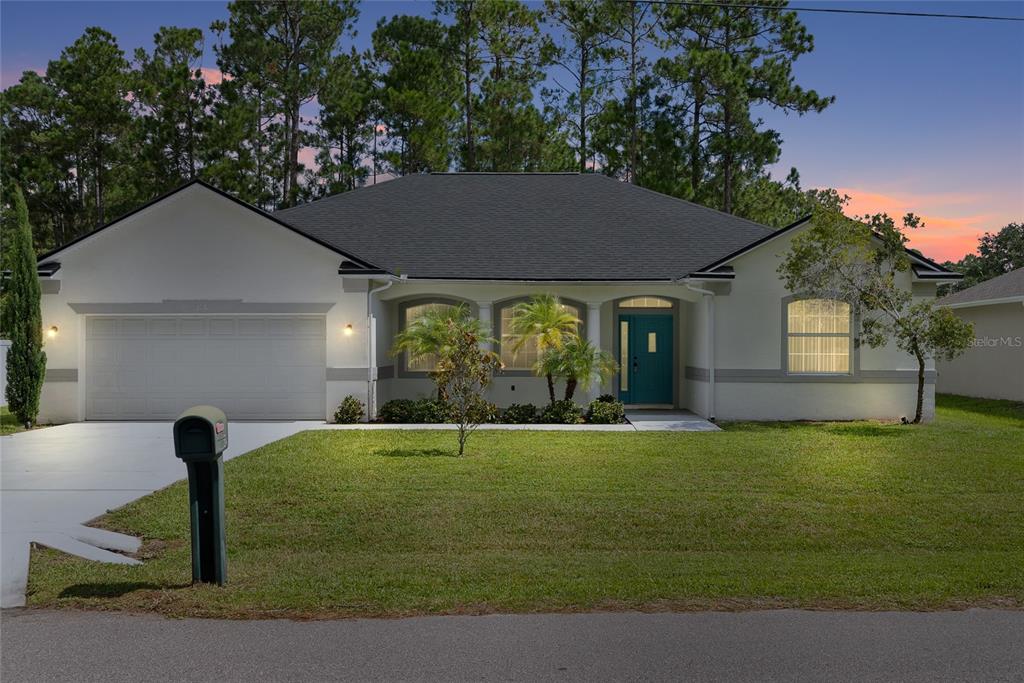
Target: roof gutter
point(984, 302)
point(709, 297)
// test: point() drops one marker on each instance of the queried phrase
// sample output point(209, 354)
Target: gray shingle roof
point(1004, 286)
point(529, 226)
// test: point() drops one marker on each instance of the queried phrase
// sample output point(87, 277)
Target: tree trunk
point(583, 111)
point(293, 161)
point(98, 184)
point(633, 126)
point(727, 157)
point(467, 72)
point(727, 160)
point(191, 147)
point(920, 387)
point(570, 388)
point(551, 387)
point(695, 170)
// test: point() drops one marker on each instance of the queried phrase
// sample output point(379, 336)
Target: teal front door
point(645, 354)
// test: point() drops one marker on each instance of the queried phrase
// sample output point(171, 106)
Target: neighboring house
point(993, 366)
point(200, 298)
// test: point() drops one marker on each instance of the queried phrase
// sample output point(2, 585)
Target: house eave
point(985, 302)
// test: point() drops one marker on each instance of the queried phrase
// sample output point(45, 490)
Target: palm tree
point(437, 331)
point(580, 363)
point(545, 321)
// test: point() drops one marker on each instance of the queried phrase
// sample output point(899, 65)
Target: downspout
point(709, 296)
point(371, 348)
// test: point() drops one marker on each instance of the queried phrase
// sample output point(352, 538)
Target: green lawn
point(859, 515)
point(8, 423)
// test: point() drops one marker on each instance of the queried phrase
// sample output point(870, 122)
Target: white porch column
point(594, 337)
point(486, 316)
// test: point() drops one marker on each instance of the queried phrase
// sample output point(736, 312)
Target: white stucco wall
point(993, 367)
point(196, 245)
point(749, 344)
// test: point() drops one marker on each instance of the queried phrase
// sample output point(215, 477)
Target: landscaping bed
point(387, 523)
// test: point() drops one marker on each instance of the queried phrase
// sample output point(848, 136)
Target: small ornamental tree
point(464, 369)
point(26, 361)
point(858, 261)
point(429, 334)
point(579, 363)
point(546, 322)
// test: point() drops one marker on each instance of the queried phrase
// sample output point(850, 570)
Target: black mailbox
point(200, 438)
point(201, 433)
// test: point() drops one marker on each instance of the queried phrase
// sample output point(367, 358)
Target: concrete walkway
point(669, 421)
point(709, 646)
point(638, 421)
point(54, 479)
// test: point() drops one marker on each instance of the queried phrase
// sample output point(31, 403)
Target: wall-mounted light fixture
point(349, 330)
point(52, 332)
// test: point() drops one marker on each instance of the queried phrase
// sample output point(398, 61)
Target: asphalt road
point(773, 645)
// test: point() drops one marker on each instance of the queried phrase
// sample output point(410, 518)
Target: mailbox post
point(200, 438)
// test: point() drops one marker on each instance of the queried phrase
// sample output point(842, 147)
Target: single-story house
point(198, 297)
point(993, 366)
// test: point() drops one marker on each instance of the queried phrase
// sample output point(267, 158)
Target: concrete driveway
point(54, 479)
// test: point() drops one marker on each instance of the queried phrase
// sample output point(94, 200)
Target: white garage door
point(252, 367)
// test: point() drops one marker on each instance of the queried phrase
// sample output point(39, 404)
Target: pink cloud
point(953, 221)
point(214, 76)
point(307, 157)
point(12, 76)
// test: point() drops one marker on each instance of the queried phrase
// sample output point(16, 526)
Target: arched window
point(819, 337)
point(527, 355)
point(409, 313)
point(645, 302)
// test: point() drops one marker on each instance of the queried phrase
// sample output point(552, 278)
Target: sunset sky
point(929, 114)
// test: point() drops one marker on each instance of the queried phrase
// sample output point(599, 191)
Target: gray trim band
point(216, 306)
point(347, 374)
point(358, 374)
point(49, 286)
point(743, 376)
point(61, 375)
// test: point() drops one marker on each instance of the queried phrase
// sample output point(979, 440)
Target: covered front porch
point(653, 331)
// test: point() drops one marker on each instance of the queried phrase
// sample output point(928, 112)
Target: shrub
point(430, 411)
point(349, 411)
point(488, 413)
point(606, 412)
point(520, 414)
point(608, 398)
point(397, 411)
point(562, 412)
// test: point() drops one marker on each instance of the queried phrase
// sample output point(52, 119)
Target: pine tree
point(26, 361)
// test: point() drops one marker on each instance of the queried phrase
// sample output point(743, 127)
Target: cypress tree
point(26, 361)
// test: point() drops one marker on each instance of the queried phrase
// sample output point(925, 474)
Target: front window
point(426, 362)
point(645, 302)
point(818, 337)
point(527, 355)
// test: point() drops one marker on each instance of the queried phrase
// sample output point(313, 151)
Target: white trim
point(985, 302)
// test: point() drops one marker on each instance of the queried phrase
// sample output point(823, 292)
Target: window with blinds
point(426, 362)
point(818, 337)
point(527, 355)
point(645, 302)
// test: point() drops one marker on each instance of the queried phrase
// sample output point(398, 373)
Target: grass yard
point(840, 515)
point(8, 423)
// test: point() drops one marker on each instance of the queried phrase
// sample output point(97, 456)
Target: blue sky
point(929, 114)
